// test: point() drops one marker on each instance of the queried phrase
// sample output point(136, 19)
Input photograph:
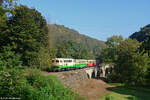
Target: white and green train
point(68, 63)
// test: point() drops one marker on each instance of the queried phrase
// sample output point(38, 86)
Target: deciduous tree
point(26, 33)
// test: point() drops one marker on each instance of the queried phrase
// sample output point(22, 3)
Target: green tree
point(109, 53)
point(7, 6)
point(142, 34)
point(130, 65)
point(72, 49)
point(44, 58)
point(59, 33)
point(145, 47)
point(114, 40)
point(26, 34)
point(8, 59)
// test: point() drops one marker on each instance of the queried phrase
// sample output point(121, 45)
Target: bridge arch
point(93, 74)
point(88, 76)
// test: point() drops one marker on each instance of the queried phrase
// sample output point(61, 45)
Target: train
point(60, 64)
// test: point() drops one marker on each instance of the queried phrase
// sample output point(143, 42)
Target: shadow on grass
point(135, 93)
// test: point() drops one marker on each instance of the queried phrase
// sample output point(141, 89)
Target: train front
point(56, 64)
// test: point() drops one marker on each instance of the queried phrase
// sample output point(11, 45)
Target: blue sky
point(96, 18)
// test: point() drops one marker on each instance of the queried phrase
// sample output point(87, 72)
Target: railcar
point(62, 63)
point(94, 63)
point(91, 63)
point(80, 63)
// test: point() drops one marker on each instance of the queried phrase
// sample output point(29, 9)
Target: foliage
point(8, 59)
point(130, 65)
point(3, 16)
point(127, 93)
point(32, 85)
point(50, 88)
point(44, 58)
point(109, 53)
point(60, 33)
point(14, 84)
point(142, 34)
point(145, 47)
point(24, 41)
point(6, 6)
point(109, 97)
point(114, 40)
point(148, 75)
point(72, 49)
point(26, 34)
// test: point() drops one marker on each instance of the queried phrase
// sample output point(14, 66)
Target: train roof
point(63, 58)
point(72, 59)
point(91, 60)
point(80, 59)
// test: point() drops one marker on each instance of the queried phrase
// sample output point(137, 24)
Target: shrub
point(108, 97)
point(43, 60)
point(8, 59)
point(13, 84)
point(33, 86)
point(50, 88)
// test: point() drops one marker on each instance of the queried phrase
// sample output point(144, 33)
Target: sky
point(99, 19)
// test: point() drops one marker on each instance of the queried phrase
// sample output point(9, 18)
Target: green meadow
point(121, 92)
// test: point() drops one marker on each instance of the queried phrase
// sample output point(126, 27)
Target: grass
point(121, 92)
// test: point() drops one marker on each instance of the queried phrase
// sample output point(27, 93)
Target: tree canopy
point(142, 34)
point(130, 65)
point(26, 34)
point(72, 49)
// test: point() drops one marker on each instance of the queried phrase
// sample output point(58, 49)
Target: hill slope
point(60, 33)
point(141, 35)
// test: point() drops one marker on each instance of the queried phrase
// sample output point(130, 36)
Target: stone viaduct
point(98, 71)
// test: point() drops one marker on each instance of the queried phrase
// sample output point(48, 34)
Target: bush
point(33, 86)
point(132, 98)
point(50, 88)
point(8, 58)
point(43, 60)
point(13, 84)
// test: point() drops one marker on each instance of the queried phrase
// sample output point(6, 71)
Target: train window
point(57, 61)
point(53, 61)
point(67, 60)
point(61, 61)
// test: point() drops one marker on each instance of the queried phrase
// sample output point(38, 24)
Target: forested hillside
point(60, 33)
point(142, 34)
